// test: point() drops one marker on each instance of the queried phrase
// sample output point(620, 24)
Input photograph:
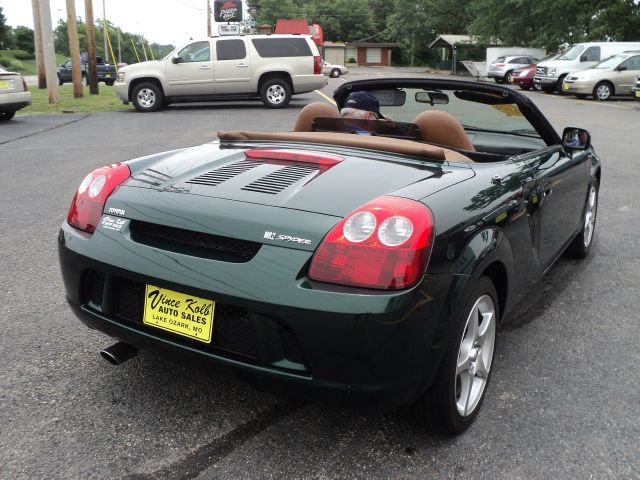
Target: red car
point(524, 77)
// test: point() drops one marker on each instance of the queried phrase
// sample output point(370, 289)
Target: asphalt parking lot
point(561, 403)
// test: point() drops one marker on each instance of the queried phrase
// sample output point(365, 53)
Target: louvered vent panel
point(219, 175)
point(277, 181)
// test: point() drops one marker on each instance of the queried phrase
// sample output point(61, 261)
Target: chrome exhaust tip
point(119, 353)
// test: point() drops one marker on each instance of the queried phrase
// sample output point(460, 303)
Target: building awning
point(373, 45)
point(449, 41)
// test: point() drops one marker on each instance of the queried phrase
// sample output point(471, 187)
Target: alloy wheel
point(590, 215)
point(475, 356)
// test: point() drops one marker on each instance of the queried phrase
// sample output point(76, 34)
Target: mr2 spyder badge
point(286, 238)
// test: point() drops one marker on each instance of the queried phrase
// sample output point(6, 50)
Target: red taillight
point(384, 244)
point(24, 84)
point(500, 64)
point(91, 196)
point(302, 156)
point(317, 65)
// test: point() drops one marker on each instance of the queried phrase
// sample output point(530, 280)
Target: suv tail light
point(317, 65)
point(384, 244)
point(88, 202)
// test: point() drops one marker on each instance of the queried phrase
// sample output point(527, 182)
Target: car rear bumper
point(635, 92)
point(373, 350)
point(578, 87)
point(10, 102)
point(309, 83)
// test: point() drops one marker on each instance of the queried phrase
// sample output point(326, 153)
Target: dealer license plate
point(637, 93)
point(565, 86)
point(178, 313)
point(108, 75)
point(4, 85)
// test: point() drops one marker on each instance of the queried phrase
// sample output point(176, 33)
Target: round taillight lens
point(85, 183)
point(96, 186)
point(359, 227)
point(395, 231)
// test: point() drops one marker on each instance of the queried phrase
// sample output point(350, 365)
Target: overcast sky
point(161, 21)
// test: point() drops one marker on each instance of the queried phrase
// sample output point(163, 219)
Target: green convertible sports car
point(364, 262)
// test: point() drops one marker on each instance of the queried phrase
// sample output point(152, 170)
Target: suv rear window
point(281, 47)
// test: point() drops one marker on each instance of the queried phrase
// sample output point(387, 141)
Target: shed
point(449, 44)
point(372, 54)
point(335, 52)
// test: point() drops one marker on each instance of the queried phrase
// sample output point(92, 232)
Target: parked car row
point(615, 74)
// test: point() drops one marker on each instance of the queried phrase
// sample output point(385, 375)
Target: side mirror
point(621, 68)
point(576, 138)
point(176, 59)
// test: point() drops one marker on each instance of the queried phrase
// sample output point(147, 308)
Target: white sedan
point(334, 71)
point(14, 94)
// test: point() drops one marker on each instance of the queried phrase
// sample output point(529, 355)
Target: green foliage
point(24, 39)
point(6, 32)
point(127, 53)
point(22, 55)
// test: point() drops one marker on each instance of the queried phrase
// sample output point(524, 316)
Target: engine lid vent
point(276, 182)
point(219, 175)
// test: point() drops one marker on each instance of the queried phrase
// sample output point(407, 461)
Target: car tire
point(275, 93)
point(6, 115)
point(603, 91)
point(559, 85)
point(147, 97)
point(581, 245)
point(60, 82)
point(508, 77)
point(335, 73)
point(453, 401)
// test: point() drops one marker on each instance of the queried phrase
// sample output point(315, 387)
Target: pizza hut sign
point(227, 10)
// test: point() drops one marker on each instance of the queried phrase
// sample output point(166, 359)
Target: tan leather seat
point(310, 112)
point(442, 128)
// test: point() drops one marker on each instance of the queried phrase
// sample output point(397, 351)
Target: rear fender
point(488, 247)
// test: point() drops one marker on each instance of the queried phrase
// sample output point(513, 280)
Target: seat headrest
point(310, 112)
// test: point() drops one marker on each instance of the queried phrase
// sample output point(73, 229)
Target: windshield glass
point(611, 62)
point(572, 53)
point(472, 109)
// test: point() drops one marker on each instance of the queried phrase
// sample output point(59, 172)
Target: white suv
point(269, 67)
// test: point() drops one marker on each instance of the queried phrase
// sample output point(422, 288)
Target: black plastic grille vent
point(194, 243)
point(219, 175)
point(277, 181)
point(152, 177)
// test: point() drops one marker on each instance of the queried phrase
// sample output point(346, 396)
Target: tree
point(6, 33)
point(23, 37)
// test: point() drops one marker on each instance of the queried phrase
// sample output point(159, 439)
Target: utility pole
point(48, 51)
point(208, 18)
point(91, 47)
point(42, 81)
point(104, 33)
point(74, 48)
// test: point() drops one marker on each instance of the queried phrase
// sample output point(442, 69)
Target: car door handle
point(242, 65)
point(205, 67)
